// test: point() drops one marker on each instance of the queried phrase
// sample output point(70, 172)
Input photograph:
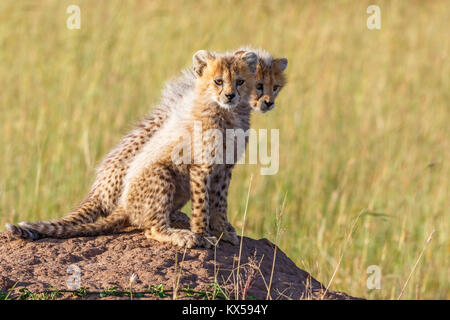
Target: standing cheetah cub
point(153, 185)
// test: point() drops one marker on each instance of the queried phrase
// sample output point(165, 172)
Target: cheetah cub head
point(227, 79)
point(269, 79)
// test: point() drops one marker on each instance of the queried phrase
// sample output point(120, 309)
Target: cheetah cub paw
point(209, 241)
point(230, 237)
point(182, 238)
point(226, 233)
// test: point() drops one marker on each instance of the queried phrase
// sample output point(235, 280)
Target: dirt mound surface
point(161, 271)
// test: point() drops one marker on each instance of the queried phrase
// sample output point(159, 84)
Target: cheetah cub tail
point(52, 229)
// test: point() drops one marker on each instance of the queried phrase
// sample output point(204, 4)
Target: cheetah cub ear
point(200, 60)
point(281, 63)
point(250, 58)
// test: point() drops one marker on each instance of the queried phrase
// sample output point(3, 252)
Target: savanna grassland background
point(364, 122)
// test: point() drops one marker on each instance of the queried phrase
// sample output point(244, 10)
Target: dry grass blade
point(415, 265)
point(242, 237)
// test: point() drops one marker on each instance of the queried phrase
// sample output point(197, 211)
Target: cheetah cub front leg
point(219, 225)
point(199, 184)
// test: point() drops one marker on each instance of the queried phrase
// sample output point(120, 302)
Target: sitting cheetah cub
point(154, 185)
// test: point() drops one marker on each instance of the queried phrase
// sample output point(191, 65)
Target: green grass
point(364, 121)
point(52, 293)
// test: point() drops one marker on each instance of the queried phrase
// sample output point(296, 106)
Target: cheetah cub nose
point(230, 96)
point(268, 103)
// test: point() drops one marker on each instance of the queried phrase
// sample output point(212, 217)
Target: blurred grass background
point(364, 121)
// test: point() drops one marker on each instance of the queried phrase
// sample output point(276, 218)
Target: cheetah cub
point(154, 185)
point(269, 79)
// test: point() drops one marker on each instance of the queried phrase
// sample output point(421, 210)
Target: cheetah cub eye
point(259, 86)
